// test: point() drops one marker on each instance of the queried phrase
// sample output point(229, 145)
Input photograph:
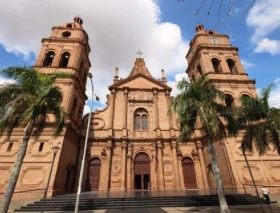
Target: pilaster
point(123, 171)
point(202, 164)
point(175, 164)
point(108, 164)
point(160, 165)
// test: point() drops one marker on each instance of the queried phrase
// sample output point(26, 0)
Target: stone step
point(65, 204)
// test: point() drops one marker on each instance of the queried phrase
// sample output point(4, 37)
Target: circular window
point(66, 34)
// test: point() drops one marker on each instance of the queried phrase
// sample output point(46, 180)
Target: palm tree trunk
point(254, 183)
point(16, 170)
point(217, 176)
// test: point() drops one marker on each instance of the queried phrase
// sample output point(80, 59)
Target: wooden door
point(93, 179)
point(189, 173)
point(142, 171)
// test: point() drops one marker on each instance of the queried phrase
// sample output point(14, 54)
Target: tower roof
point(199, 29)
point(140, 68)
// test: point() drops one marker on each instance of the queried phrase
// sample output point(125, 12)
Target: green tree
point(27, 102)
point(260, 125)
point(200, 102)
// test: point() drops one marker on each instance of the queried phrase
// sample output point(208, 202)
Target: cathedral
point(132, 142)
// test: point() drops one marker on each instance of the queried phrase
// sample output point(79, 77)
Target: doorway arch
point(93, 175)
point(142, 171)
point(189, 173)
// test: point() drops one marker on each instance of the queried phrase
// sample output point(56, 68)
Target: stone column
point(202, 165)
point(171, 130)
point(175, 164)
point(154, 168)
point(125, 114)
point(182, 182)
point(160, 165)
point(158, 134)
point(111, 113)
point(129, 168)
point(108, 166)
point(205, 66)
point(123, 172)
point(198, 172)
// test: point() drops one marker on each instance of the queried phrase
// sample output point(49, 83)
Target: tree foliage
point(201, 101)
point(260, 123)
point(31, 96)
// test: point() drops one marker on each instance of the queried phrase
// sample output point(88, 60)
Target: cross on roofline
point(139, 53)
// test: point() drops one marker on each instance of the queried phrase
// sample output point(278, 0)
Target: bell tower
point(212, 55)
point(67, 50)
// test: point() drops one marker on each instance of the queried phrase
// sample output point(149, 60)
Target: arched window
point(48, 59)
point(193, 78)
point(246, 96)
point(231, 66)
point(216, 65)
point(199, 70)
point(141, 120)
point(64, 59)
point(137, 122)
point(229, 100)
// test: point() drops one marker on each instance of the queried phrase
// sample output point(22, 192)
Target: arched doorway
point(142, 171)
point(189, 173)
point(93, 177)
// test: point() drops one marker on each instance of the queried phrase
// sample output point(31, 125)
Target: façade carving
point(98, 123)
point(168, 168)
point(116, 168)
point(140, 95)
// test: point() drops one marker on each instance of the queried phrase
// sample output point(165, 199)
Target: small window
point(229, 100)
point(216, 65)
point(66, 34)
point(231, 66)
point(41, 146)
point(193, 78)
point(64, 59)
point(10, 146)
point(48, 59)
point(69, 25)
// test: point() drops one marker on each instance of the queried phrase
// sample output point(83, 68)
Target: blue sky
point(161, 28)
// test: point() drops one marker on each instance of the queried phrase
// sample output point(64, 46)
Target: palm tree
point(261, 126)
point(27, 102)
point(201, 102)
point(261, 123)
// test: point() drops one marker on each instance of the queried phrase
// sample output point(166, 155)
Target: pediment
point(140, 82)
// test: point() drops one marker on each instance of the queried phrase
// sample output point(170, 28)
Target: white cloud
point(264, 18)
point(117, 29)
point(86, 109)
point(247, 64)
point(267, 45)
point(274, 99)
point(173, 84)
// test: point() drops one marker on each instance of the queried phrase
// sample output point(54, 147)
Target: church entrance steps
point(88, 202)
